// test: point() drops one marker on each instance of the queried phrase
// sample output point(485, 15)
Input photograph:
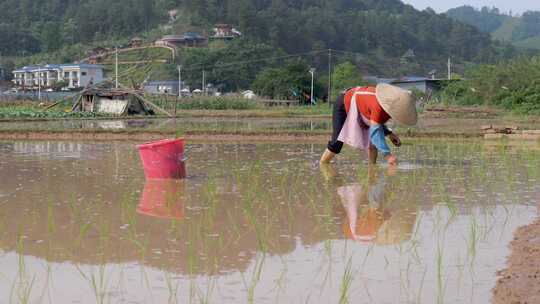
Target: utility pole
point(203, 82)
point(449, 68)
point(179, 81)
point(329, 78)
point(39, 83)
point(179, 91)
point(116, 67)
point(312, 72)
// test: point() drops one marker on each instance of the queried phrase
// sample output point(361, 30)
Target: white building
point(74, 75)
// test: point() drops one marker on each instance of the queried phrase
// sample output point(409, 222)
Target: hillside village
point(89, 71)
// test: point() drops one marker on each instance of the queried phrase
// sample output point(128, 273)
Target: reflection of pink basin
point(163, 199)
point(163, 159)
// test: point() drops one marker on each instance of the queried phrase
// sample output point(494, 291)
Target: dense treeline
point(513, 85)
point(528, 27)
point(383, 27)
point(485, 19)
point(54, 23)
point(386, 27)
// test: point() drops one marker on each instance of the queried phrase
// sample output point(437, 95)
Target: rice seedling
point(99, 283)
point(206, 297)
point(368, 253)
point(421, 288)
point(473, 240)
point(346, 282)
point(172, 288)
point(255, 278)
point(441, 287)
point(23, 284)
point(327, 278)
point(46, 293)
point(145, 279)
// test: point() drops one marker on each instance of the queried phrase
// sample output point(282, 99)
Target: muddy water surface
point(260, 223)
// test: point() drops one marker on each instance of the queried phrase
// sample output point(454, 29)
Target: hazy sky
point(517, 6)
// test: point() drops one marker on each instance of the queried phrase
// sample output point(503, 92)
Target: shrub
point(513, 85)
point(216, 103)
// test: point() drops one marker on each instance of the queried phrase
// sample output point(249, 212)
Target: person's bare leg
point(328, 172)
point(372, 155)
point(327, 157)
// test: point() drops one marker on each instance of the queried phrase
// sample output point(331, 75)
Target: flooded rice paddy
point(260, 223)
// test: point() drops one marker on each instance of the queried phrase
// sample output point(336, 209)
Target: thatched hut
point(113, 101)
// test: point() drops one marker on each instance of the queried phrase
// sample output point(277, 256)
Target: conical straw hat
point(398, 103)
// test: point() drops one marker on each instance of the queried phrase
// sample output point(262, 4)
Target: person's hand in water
point(392, 160)
point(395, 139)
point(391, 171)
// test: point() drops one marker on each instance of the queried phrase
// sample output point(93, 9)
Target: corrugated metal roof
point(50, 67)
point(162, 82)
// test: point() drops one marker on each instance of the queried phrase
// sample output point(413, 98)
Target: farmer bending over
point(359, 117)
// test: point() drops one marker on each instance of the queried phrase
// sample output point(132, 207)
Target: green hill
point(386, 26)
point(523, 32)
point(507, 28)
point(380, 37)
point(529, 43)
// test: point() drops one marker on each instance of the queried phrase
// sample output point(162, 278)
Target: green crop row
point(28, 112)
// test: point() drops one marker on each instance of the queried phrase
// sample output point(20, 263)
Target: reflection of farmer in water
point(371, 216)
point(362, 126)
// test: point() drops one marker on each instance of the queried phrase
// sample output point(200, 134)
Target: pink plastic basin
point(163, 159)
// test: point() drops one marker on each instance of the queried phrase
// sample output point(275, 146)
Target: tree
point(529, 26)
point(345, 75)
point(231, 68)
point(51, 36)
point(70, 31)
point(290, 82)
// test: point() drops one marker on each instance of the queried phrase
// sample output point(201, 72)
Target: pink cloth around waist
point(355, 131)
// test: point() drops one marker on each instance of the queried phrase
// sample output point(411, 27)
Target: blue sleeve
point(377, 137)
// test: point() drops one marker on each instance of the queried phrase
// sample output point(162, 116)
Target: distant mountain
point(523, 31)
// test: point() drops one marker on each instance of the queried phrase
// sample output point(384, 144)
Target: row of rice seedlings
point(441, 285)
point(346, 282)
point(98, 283)
point(282, 279)
point(46, 292)
point(172, 287)
point(327, 279)
point(421, 287)
point(145, 279)
point(288, 201)
point(251, 285)
point(23, 284)
point(206, 296)
point(472, 241)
